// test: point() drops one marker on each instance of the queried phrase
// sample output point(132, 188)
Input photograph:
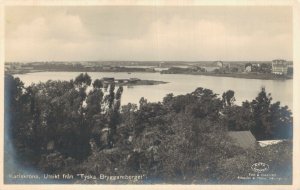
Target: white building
point(279, 67)
point(220, 64)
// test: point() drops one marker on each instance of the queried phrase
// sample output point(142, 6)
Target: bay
point(245, 89)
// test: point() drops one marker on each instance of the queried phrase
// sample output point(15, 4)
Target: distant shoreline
point(264, 76)
point(267, 76)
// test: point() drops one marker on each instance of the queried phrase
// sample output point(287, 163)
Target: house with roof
point(219, 64)
point(246, 140)
point(248, 67)
point(243, 139)
point(265, 143)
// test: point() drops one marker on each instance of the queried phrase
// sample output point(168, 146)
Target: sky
point(148, 33)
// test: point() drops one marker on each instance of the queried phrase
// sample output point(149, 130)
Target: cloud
point(43, 38)
point(147, 33)
point(182, 39)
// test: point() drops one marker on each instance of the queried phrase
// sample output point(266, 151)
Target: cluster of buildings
point(17, 68)
point(227, 67)
point(277, 67)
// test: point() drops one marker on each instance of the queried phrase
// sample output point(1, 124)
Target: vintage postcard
point(150, 93)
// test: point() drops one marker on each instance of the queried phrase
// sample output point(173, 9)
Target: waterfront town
point(275, 69)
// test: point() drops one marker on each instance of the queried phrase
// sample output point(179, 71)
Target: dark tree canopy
point(64, 126)
point(228, 98)
point(83, 80)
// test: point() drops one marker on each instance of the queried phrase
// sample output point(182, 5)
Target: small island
point(130, 82)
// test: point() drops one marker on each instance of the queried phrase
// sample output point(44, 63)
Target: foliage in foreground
point(79, 127)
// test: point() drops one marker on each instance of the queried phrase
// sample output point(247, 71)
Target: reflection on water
point(245, 89)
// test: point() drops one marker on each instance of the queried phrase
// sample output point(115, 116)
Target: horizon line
point(147, 61)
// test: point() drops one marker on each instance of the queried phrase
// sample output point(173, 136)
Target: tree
point(51, 117)
point(228, 98)
point(281, 122)
point(94, 103)
point(58, 126)
point(16, 120)
point(97, 83)
point(143, 101)
point(83, 80)
point(260, 108)
point(271, 120)
point(111, 96)
point(168, 98)
point(199, 139)
point(14, 104)
point(206, 104)
point(114, 114)
point(238, 118)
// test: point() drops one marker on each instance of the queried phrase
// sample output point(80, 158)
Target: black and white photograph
point(148, 94)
